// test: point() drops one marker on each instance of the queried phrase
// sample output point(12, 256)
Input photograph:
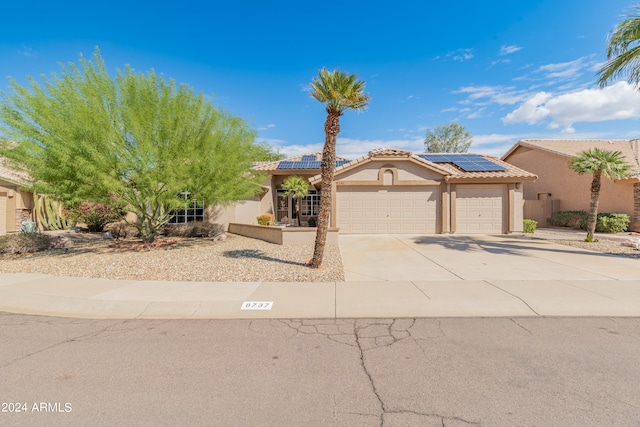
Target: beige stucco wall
point(17, 204)
point(573, 190)
point(287, 236)
point(407, 171)
point(516, 196)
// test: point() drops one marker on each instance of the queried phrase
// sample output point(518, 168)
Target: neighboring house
point(397, 191)
point(15, 205)
point(549, 160)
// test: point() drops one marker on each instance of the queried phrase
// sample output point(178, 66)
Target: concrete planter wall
point(288, 236)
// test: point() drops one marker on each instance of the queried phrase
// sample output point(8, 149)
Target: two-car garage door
point(388, 209)
point(478, 209)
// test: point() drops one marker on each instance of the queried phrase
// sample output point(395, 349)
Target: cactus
point(50, 214)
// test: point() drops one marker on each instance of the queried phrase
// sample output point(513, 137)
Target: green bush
point(23, 243)
point(612, 223)
point(529, 225)
point(192, 229)
point(571, 219)
point(605, 223)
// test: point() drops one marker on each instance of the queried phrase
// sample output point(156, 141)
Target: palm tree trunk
point(328, 168)
point(593, 206)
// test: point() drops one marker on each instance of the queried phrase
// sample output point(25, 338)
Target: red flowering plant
point(96, 215)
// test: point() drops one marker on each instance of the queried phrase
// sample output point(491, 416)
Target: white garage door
point(388, 210)
point(3, 213)
point(480, 209)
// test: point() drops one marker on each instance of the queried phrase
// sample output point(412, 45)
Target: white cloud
point(460, 55)
point(493, 94)
point(501, 61)
point(531, 111)
point(354, 148)
point(269, 126)
point(616, 102)
point(507, 50)
point(27, 52)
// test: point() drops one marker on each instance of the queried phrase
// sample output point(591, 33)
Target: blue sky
point(506, 70)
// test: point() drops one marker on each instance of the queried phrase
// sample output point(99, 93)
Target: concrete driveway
point(397, 257)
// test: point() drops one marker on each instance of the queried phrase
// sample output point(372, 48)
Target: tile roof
point(273, 166)
point(449, 170)
point(10, 174)
point(572, 147)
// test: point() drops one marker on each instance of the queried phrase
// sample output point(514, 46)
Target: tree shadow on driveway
point(471, 244)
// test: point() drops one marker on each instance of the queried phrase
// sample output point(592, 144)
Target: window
point(310, 205)
point(194, 212)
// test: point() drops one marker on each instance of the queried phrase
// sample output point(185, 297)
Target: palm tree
point(338, 91)
point(598, 162)
point(297, 187)
point(623, 51)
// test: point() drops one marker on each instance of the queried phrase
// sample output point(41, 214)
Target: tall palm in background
point(623, 51)
point(597, 163)
point(338, 91)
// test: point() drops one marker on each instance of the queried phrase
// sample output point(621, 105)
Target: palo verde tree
point(452, 138)
point(296, 187)
point(86, 136)
point(598, 163)
point(338, 91)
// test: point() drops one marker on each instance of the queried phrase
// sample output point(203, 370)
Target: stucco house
point(16, 205)
point(549, 159)
point(397, 191)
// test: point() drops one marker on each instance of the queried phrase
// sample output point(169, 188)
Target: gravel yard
point(237, 259)
point(576, 239)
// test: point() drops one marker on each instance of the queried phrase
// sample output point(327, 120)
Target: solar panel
point(306, 164)
point(309, 158)
point(466, 162)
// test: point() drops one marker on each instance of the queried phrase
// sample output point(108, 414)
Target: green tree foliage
point(338, 91)
point(623, 51)
point(297, 187)
point(84, 136)
point(598, 163)
point(452, 138)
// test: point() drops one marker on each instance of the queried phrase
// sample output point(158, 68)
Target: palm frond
point(339, 91)
point(623, 51)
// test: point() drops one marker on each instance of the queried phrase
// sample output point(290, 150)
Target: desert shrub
point(571, 219)
point(23, 243)
point(312, 221)
point(612, 223)
point(192, 229)
point(529, 225)
point(28, 227)
point(96, 215)
point(122, 230)
point(265, 219)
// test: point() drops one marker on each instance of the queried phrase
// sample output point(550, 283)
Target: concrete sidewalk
point(386, 276)
point(101, 298)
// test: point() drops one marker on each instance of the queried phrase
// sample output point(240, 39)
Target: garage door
point(388, 210)
point(3, 213)
point(480, 209)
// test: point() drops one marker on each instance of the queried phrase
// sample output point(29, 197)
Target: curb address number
point(256, 305)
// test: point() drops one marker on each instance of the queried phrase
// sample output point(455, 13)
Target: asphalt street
point(536, 371)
